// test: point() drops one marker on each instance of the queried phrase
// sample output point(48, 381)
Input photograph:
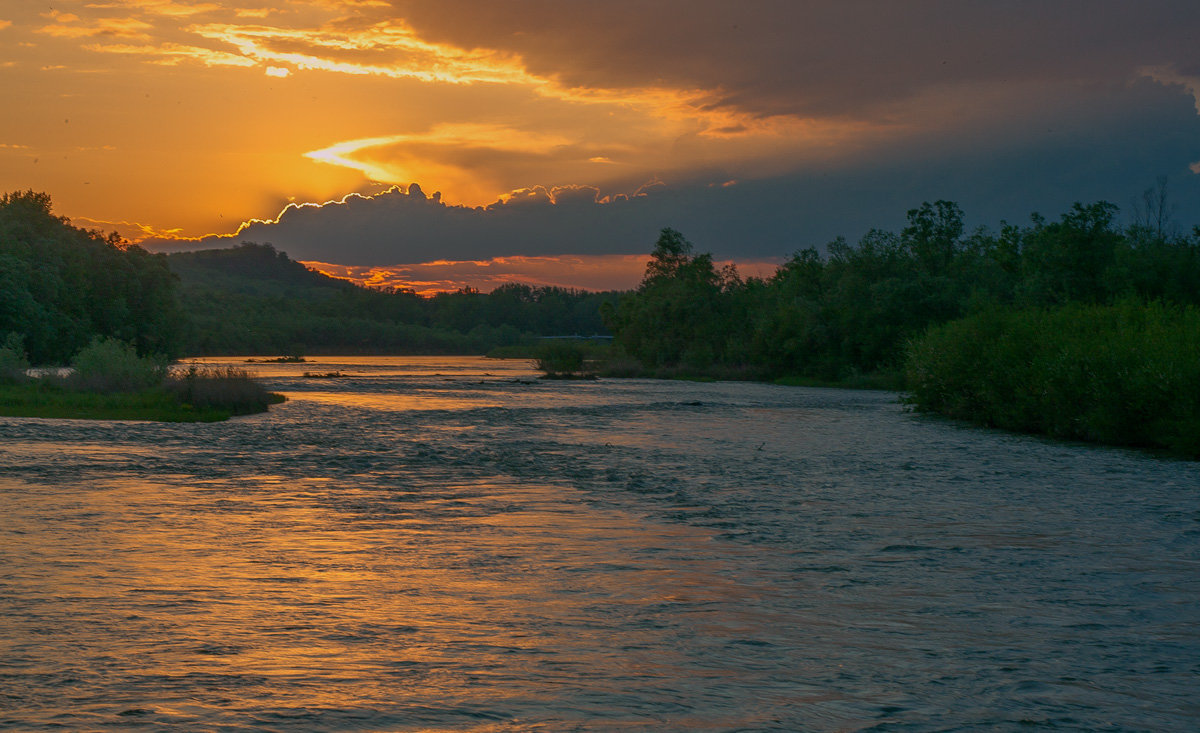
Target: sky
point(439, 144)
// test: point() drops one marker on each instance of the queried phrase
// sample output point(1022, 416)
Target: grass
point(195, 395)
point(892, 381)
point(38, 399)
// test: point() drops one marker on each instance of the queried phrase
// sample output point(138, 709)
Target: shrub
point(1127, 374)
point(13, 362)
point(220, 388)
point(560, 358)
point(110, 365)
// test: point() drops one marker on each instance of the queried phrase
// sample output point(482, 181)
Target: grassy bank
point(43, 398)
point(36, 398)
point(1127, 374)
point(110, 381)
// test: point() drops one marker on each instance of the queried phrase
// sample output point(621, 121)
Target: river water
point(449, 544)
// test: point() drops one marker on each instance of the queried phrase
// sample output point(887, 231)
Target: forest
point(999, 327)
point(852, 311)
point(1076, 328)
point(62, 286)
point(252, 299)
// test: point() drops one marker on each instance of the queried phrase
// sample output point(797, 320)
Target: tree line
point(252, 299)
point(61, 286)
point(853, 310)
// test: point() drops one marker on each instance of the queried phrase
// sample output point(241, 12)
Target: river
point(448, 544)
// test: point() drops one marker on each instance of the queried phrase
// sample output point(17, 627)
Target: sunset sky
point(550, 141)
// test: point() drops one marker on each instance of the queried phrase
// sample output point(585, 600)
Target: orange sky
point(170, 116)
point(185, 118)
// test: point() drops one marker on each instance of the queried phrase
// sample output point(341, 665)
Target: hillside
point(252, 299)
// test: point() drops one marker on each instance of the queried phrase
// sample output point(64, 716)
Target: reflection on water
point(448, 544)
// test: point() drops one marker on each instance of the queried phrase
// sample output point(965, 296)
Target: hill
point(253, 299)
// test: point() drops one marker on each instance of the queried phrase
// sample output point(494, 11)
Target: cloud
point(167, 8)
point(817, 59)
point(388, 48)
point(1108, 145)
point(127, 28)
point(170, 54)
point(766, 126)
point(585, 272)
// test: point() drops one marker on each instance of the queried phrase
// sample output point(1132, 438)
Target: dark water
point(449, 545)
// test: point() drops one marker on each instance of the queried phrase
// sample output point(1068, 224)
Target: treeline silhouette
point(852, 311)
point(252, 299)
point(61, 286)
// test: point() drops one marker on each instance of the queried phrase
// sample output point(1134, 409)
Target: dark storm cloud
point(821, 58)
point(1006, 108)
point(1109, 146)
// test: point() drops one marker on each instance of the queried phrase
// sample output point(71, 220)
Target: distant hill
point(252, 269)
point(253, 299)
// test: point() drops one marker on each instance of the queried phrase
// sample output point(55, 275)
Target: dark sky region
point(557, 129)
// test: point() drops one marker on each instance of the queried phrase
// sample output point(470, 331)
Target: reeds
point(219, 388)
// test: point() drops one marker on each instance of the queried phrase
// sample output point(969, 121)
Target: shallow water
point(449, 544)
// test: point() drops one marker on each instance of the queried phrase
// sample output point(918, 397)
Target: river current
point(446, 544)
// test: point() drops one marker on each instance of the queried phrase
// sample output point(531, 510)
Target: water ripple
point(451, 545)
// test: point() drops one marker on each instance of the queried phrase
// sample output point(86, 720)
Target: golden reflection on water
point(264, 579)
point(410, 400)
point(457, 547)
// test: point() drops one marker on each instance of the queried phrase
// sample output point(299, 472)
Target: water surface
point(451, 544)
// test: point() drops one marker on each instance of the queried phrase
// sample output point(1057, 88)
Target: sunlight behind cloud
point(515, 104)
point(583, 272)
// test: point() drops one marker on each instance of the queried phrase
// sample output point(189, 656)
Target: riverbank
point(1126, 374)
point(34, 399)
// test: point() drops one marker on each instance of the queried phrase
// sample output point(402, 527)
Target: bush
point(1127, 374)
point(220, 388)
point(13, 362)
point(560, 358)
point(110, 365)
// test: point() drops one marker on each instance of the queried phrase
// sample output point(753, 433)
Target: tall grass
point(219, 388)
point(110, 381)
point(1126, 374)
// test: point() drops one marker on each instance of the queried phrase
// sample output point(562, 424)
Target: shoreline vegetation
point(1077, 328)
point(1126, 374)
point(109, 381)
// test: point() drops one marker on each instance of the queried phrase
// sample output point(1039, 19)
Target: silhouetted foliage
point(110, 365)
point(60, 285)
point(853, 311)
point(13, 362)
point(1127, 374)
point(252, 299)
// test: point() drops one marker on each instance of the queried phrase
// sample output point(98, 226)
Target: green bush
point(557, 358)
point(110, 365)
point(13, 362)
point(221, 388)
point(1125, 374)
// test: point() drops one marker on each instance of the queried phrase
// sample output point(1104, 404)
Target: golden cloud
point(389, 49)
point(582, 272)
point(169, 54)
point(167, 8)
point(130, 28)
